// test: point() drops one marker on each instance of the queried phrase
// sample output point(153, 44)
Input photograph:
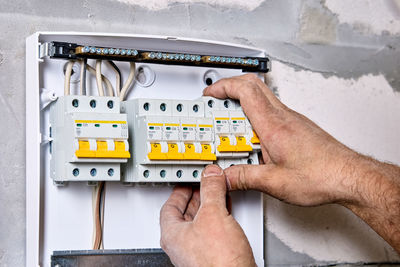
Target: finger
point(255, 104)
point(264, 88)
point(213, 187)
point(254, 79)
point(266, 178)
point(174, 208)
point(193, 205)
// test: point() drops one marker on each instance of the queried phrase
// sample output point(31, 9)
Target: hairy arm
point(376, 188)
point(304, 165)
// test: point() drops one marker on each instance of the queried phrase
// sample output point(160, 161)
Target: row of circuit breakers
point(146, 140)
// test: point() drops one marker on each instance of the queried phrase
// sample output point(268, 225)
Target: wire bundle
point(98, 195)
point(100, 78)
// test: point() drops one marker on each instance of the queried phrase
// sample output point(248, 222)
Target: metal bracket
point(46, 50)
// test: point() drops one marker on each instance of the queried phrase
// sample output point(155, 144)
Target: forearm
point(376, 197)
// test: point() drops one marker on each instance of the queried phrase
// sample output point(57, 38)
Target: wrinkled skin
point(302, 165)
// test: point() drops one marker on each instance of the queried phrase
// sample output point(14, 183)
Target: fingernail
point(204, 90)
point(212, 170)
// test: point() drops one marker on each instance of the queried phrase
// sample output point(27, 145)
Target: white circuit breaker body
point(89, 139)
point(173, 140)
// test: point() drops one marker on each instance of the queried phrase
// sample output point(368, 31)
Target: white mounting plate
point(60, 218)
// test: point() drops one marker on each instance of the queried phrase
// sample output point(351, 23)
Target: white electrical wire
point(98, 78)
point(104, 78)
point(103, 203)
point(83, 77)
point(67, 81)
point(117, 76)
point(128, 82)
point(94, 194)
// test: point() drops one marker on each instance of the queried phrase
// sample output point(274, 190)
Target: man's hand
point(197, 229)
point(302, 162)
point(306, 166)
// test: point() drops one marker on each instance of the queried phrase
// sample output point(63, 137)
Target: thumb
point(213, 187)
point(266, 178)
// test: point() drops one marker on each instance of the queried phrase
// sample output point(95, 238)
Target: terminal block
point(172, 140)
point(75, 51)
point(89, 139)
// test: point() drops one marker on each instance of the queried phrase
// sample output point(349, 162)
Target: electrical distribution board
point(112, 110)
point(168, 140)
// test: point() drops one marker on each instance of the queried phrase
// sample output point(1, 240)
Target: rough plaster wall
point(162, 4)
point(378, 16)
point(345, 108)
point(335, 61)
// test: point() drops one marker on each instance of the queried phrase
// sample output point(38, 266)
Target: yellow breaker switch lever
point(206, 153)
point(241, 145)
point(102, 150)
point(225, 145)
point(120, 149)
point(173, 152)
point(190, 153)
point(84, 150)
point(255, 139)
point(155, 153)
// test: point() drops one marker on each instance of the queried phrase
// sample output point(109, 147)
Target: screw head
point(75, 172)
point(75, 103)
point(93, 172)
point(163, 107)
point(92, 103)
point(110, 104)
point(163, 173)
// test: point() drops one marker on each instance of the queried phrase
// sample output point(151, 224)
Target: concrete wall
point(337, 62)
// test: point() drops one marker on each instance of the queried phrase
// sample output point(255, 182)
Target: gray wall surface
point(337, 62)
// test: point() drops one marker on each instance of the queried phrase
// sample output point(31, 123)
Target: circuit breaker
point(89, 139)
point(173, 140)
